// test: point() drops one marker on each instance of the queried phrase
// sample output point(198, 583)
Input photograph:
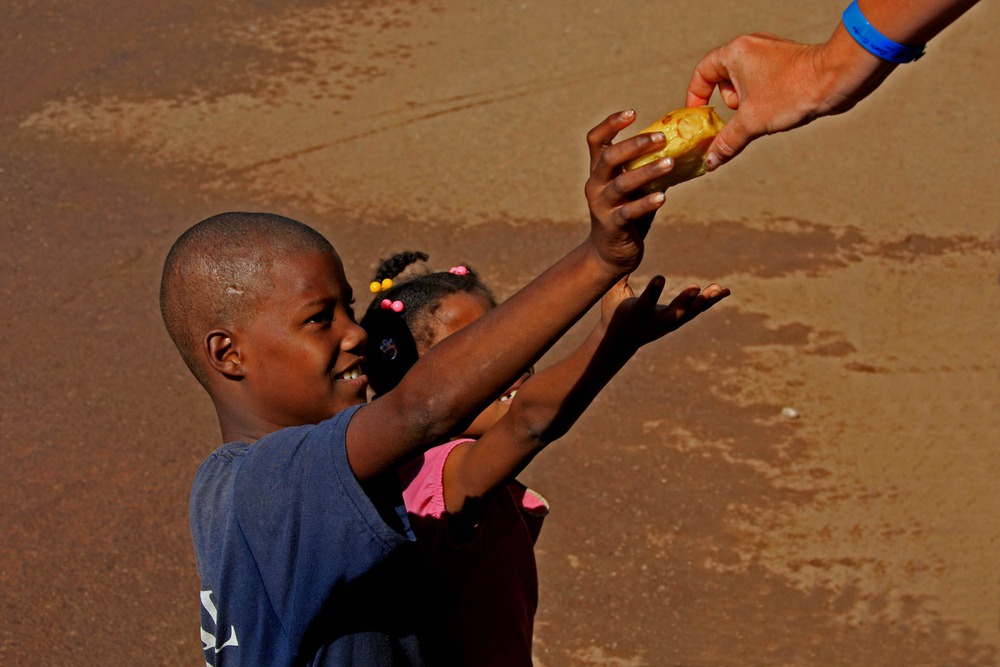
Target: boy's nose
point(354, 337)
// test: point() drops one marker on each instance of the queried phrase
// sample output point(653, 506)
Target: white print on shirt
point(208, 640)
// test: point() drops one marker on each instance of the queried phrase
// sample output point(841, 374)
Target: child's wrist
point(606, 268)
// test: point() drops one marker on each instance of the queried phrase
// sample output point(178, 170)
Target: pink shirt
point(487, 578)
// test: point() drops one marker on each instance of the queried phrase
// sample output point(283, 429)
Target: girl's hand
point(635, 321)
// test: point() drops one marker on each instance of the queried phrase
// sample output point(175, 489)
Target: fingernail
point(657, 137)
point(659, 197)
point(666, 163)
point(711, 161)
point(625, 115)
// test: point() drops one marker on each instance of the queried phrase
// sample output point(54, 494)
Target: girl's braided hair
point(397, 339)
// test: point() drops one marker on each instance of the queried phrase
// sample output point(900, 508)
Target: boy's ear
point(223, 353)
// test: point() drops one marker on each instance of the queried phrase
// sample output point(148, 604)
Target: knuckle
point(745, 43)
point(725, 148)
point(618, 186)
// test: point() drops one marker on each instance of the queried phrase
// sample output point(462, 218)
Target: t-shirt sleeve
point(313, 531)
point(422, 480)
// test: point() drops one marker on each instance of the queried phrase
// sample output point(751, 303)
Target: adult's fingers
point(729, 143)
point(708, 73)
point(730, 96)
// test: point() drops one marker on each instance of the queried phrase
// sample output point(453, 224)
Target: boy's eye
point(322, 316)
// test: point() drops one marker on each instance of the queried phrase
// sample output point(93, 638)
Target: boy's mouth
point(352, 374)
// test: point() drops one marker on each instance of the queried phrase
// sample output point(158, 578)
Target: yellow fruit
point(689, 132)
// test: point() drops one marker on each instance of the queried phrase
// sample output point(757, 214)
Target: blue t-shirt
point(299, 565)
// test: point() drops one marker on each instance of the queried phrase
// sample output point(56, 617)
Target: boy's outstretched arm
point(458, 377)
point(551, 401)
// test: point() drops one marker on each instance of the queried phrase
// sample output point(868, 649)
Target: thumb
point(651, 293)
point(625, 287)
point(729, 143)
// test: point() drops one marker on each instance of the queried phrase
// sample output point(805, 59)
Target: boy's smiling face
point(301, 351)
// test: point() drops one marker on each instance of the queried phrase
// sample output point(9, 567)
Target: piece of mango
point(689, 132)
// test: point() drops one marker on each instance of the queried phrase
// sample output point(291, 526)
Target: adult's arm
point(776, 84)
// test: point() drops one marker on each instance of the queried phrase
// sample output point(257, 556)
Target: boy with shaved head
point(302, 542)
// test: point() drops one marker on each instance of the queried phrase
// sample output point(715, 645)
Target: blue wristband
point(865, 34)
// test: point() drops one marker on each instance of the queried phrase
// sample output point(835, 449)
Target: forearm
point(512, 337)
point(459, 376)
point(545, 407)
point(846, 72)
point(553, 400)
point(913, 21)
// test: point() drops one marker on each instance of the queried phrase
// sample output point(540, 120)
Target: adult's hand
point(775, 84)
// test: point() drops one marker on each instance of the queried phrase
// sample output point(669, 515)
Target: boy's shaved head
point(219, 269)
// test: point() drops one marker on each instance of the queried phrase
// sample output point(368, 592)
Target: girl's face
point(455, 312)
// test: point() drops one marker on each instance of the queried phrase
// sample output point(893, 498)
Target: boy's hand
point(620, 216)
point(633, 321)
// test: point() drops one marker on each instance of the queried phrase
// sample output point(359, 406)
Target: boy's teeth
point(507, 397)
point(350, 375)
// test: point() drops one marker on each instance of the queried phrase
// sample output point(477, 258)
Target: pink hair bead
point(394, 306)
point(459, 270)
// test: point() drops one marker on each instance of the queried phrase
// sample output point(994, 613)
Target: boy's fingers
point(628, 182)
point(601, 137)
point(635, 211)
point(615, 156)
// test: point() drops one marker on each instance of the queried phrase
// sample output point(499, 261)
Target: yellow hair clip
point(377, 286)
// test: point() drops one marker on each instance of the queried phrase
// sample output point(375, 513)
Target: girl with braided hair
point(476, 525)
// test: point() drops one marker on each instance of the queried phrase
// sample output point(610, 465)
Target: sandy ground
point(692, 523)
